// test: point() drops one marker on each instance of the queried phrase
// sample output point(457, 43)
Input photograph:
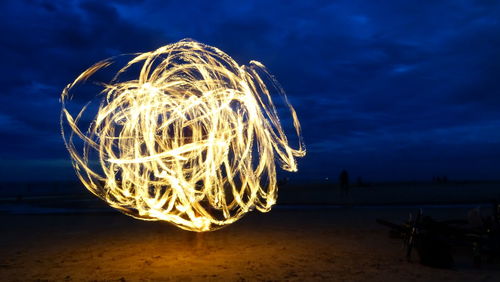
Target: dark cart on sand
point(435, 241)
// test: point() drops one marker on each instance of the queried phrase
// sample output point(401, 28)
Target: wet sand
point(283, 245)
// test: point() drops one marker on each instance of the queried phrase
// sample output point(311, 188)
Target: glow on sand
point(192, 139)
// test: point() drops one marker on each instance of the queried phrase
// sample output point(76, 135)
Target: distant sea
point(72, 198)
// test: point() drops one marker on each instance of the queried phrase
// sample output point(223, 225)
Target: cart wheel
point(410, 239)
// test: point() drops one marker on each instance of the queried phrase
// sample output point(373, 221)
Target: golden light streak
point(193, 140)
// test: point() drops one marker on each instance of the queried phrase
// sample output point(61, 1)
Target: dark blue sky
point(391, 90)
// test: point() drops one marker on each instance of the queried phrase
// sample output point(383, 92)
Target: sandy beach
point(287, 244)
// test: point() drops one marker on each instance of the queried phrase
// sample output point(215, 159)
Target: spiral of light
point(192, 139)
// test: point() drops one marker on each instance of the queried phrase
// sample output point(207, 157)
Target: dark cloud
point(406, 87)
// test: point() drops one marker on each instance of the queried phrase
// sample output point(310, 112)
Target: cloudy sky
point(390, 90)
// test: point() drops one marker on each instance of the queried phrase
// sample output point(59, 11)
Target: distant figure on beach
point(344, 182)
point(440, 179)
point(283, 181)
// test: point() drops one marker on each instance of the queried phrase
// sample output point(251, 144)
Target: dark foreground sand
point(285, 244)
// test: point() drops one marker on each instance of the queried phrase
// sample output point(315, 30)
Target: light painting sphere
point(181, 134)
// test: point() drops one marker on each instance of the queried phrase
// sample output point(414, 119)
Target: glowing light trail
point(193, 140)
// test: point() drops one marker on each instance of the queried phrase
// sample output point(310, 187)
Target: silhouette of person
point(344, 182)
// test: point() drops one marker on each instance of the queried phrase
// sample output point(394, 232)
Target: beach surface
point(296, 243)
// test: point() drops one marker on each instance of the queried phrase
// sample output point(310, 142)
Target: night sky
point(390, 90)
